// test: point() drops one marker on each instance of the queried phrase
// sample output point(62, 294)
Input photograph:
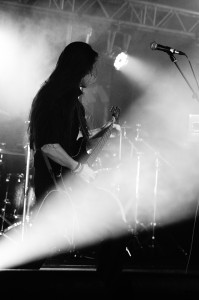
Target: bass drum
point(74, 219)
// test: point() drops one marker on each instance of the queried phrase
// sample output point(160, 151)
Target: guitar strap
point(82, 121)
point(50, 169)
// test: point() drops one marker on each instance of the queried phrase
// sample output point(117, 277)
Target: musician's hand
point(87, 174)
point(117, 126)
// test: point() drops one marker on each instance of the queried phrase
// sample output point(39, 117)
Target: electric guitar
point(88, 150)
point(85, 155)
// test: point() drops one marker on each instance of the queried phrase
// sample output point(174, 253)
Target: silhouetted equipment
point(12, 185)
point(133, 167)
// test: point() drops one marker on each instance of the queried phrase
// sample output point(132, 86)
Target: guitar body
point(81, 153)
point(80, 156)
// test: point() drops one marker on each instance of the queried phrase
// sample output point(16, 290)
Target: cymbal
point(5, 151)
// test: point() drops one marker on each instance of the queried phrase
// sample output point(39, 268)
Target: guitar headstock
point(115, 111)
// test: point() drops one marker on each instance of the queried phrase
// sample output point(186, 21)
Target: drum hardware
point(3, 215)
point(2, 147)
point(136, 225)
point(1, 159)
point(25, 193)
point(26, 217)
point(6, 202)
point(4, 219)
point(4, 151)
point(153, 224)
point(137, 189)
point(159, 160)
point(136, 152)
point(124, 137)
point(15, 215)
point(16, 228)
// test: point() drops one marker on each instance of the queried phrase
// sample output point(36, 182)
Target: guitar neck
point(99, 146)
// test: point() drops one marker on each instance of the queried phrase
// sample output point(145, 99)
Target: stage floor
point(166, 267)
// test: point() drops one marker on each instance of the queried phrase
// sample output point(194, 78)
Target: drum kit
point(123, 161)
point(16, 188)
point(133, 167)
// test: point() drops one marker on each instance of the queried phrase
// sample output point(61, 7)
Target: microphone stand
point(174, 60)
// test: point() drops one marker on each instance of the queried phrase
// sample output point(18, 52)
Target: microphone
point(169, 50)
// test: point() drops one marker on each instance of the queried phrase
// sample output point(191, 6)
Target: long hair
point(75, 61)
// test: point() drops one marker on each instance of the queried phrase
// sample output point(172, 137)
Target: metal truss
point(123, 13)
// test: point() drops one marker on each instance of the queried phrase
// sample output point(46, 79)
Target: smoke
point(64, 221)
point(26, 59)
point(29, 48)
point(30, 43)
point(161, 170)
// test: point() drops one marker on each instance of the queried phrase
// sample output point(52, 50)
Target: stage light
point(121, 60)
point(117, 48)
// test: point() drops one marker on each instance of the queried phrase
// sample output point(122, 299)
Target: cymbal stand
point(137, 182)
point(135, 152)
point(133, 149)
point(153, 224)
point(155, 188)
point(137, 189)
point(158, 160)
point(132, 229)
point(25, 217)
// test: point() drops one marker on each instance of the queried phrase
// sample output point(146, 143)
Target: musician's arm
point(59, 155)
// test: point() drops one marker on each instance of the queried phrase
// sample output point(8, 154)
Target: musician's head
point(76, 64)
